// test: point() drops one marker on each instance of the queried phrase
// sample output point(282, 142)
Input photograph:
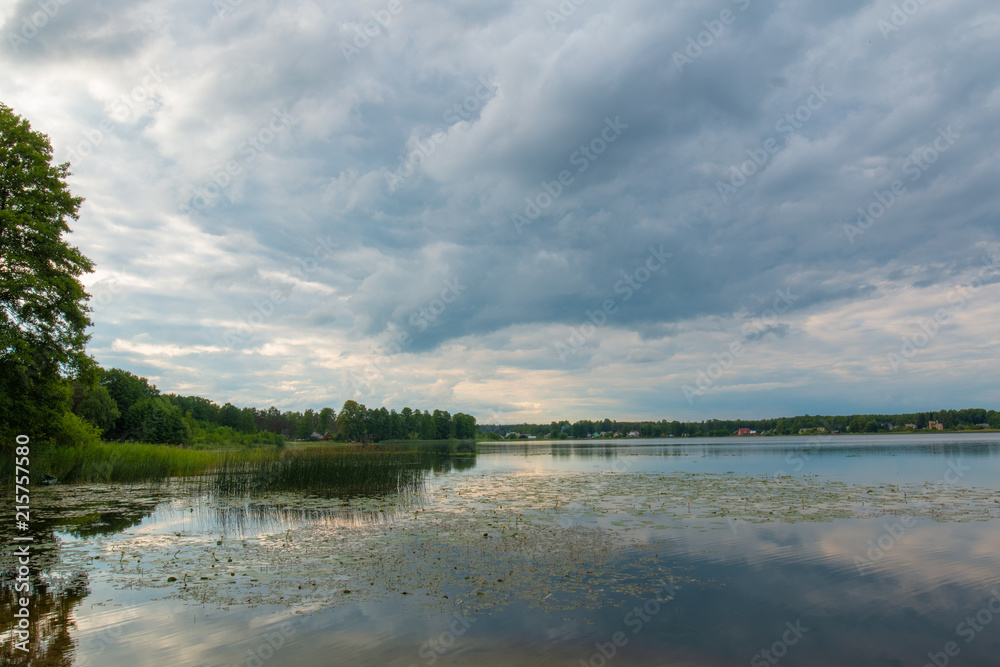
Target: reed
point(122, 463)
point(365, 470)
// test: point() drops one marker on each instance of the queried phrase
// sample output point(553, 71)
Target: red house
point(744, 431)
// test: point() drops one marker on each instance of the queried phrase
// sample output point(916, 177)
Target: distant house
point(317, 436)
point(984, 426)
point(743, 431)
point(935, 425)
point(913, 426)
point(633, 434)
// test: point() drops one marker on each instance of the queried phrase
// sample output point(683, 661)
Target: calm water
point(620, 571)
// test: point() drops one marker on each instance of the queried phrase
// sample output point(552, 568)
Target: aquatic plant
point(343, 470)
point(122, 463)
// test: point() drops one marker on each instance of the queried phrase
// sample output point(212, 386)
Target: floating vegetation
point(553, 540)
point(441, 559)
point(626, 497)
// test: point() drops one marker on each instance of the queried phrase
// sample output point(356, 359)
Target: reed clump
point(122, 463)
point(362, 470)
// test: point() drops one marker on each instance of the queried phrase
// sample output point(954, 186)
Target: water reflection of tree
point(81, 511)
point(51, 621)
point(106, 522)
point(454, 463)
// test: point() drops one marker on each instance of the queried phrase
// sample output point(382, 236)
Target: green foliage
point(358, 423)
point(442, 424)
point(352, 421)
point(306, 426)
point(33, 399)
point(464, 426)
point(155, 420)
point(43, 311)
point(326, 421)
point(73, 431)
point(209, 435)
point(126, 389)
point(95, 405)
point(968, 419)
point(42, 307)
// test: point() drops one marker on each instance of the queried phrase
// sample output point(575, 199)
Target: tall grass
point(344, 469)
point(351, 470)
point(121, 463)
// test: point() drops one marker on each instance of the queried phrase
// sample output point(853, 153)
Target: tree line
point(122, 406)
point(359, 423)
point(968, 419)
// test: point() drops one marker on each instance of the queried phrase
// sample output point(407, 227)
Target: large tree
point(43, 309)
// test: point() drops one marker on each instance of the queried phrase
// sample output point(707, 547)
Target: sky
point(532, 211)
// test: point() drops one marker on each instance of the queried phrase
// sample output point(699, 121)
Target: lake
point(840, 550)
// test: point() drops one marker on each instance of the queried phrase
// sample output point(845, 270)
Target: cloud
point(285, 213)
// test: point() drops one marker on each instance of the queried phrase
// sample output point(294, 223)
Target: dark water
point(883, 590)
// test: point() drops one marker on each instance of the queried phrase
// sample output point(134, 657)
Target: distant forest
point(970, 419)
point(126, 407)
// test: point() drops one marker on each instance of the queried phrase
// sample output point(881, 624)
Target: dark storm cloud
point(533, 156)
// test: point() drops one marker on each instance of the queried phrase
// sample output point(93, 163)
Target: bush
point(75, 432)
